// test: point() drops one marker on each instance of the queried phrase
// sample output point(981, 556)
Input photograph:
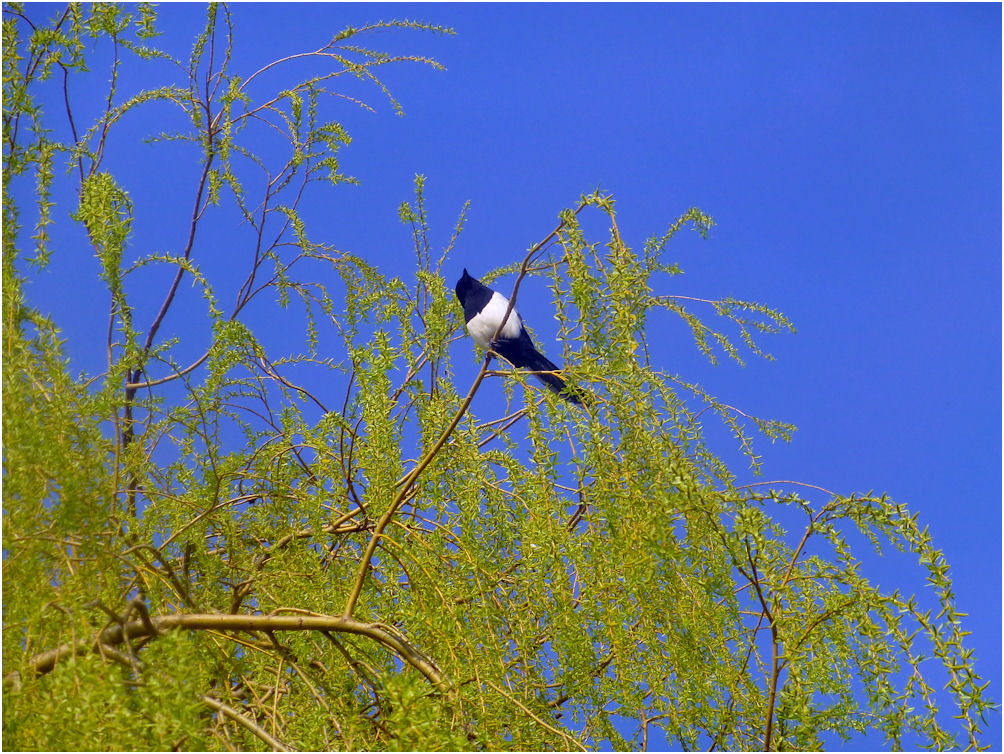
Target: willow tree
point(291, 546)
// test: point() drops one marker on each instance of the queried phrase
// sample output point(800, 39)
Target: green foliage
point(340, 545)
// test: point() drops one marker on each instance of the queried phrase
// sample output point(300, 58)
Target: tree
point(230, 547)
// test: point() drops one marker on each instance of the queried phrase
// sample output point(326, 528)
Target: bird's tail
point(544, 369)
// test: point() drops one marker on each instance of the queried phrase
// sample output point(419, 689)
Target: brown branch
point(69, 115)
point(193, 225)
point(269, 369)
point(812, 626)
point(390, 638)
point(168, 378)
point(754, 578)
point(787, 578)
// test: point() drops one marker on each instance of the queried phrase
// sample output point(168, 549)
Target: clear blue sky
point(850, 155)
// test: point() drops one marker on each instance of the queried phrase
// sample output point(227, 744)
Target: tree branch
point(240, 719)
point(565, 737)
point(754, 578)
point(150, 627)
point(412, 477)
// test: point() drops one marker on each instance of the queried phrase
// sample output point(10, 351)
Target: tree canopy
point(338, 542)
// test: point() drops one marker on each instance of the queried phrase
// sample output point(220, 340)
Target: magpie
point(483, 312)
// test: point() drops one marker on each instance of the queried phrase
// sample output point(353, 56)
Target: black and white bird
point(483, 312)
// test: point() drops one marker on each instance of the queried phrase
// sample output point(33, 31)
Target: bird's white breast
point(483, 325)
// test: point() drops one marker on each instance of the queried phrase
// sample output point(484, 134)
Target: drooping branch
point(152, 626)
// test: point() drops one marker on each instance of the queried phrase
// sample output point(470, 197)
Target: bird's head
point(464, 285)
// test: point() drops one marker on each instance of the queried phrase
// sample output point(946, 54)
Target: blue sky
point(850, 155)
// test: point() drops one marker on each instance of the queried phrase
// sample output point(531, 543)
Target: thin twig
point(249, 724)
point(523, 707)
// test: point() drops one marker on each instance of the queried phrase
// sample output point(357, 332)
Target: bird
point(484, 309)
